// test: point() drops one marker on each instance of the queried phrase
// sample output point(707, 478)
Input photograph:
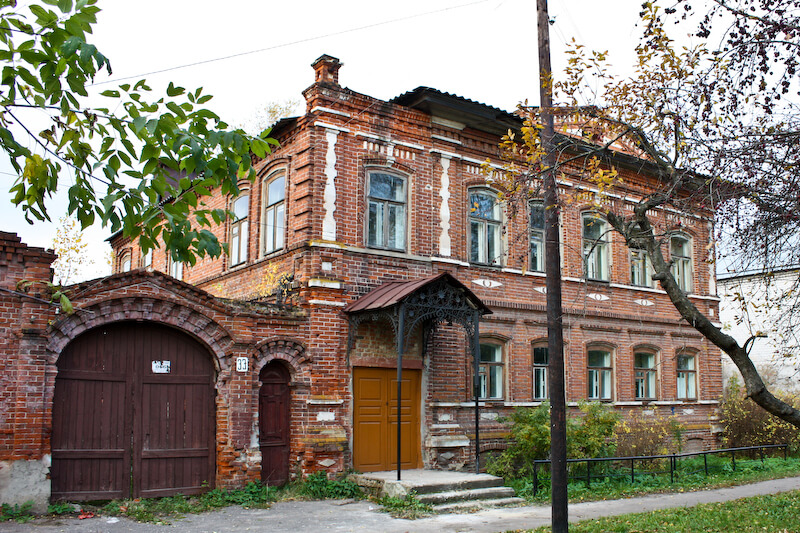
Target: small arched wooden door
point(133, 415)
point(274, 423)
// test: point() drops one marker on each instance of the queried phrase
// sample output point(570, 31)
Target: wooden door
point(274, 423)
point(124, 426)
point(375, 419)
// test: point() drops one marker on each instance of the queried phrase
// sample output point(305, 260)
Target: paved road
point(361, 516)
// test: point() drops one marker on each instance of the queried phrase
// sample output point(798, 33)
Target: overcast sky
point(484, 50)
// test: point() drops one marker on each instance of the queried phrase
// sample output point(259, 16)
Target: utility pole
point(555, 336)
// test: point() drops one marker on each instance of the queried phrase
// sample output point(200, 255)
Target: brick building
point(371, 211)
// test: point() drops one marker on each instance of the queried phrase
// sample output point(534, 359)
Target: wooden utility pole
point(555, 336)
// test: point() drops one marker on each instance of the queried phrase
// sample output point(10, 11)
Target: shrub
point(744, 423)
point(651, 434)
point(319, 487)
point(588, 435)
point(19, 513)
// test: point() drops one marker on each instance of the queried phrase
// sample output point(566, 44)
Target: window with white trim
point(273, 217)
point(680, 252)
point(491, 370)
point(238, 245)
point(541, 360)
point(485, 227)
point(644, 369)
point(599, 374)
point(386, 211)
point(595, 247)
point(641, 268)
point(147, 259)
point(687, 377)
point(536, 263)
point(125, 262)
point(175, 268)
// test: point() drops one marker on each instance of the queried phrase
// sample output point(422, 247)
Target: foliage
point(267, 115)
point(745, 424)
point(59, 508)
point(648, 433)
point(17, 512)
point(588, 435)
point(70, 250)
point(774, 512)
point(144, 168)
point(408, 507)
point(319, 487)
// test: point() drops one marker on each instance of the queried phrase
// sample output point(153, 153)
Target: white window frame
point(491, 373)
point(273, 214)
point(539, 377)
point(645, 378)
point(686, 378)
point(641, 268)
point(595, 253)
point(600, 379)
point(536, 261)
point(681, 267)
point(175, 268)
point(489, 228)
point(239, 241)
point(386, 209)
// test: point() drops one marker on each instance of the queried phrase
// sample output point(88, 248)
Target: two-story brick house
point(370, 232)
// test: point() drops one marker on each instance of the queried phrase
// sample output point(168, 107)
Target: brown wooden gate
point(274, 423)
point(133, 415)
point(375, 419)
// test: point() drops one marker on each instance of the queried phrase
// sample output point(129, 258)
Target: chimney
point(326, 69)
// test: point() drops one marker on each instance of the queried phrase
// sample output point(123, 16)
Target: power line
point(292, 43)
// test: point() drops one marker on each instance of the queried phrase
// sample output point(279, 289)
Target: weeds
point(60, 508)
point(18, 512)
point(408, 507)
point(319, 487)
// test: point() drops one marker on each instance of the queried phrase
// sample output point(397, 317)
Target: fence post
point(633, 473)
point(733, 460)
point(761, 453)
point(785, 452)
point(672, 469)
point(588, 474)
point(535, 478)
point(705, 463)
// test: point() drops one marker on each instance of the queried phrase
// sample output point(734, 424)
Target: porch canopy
point(426, 302)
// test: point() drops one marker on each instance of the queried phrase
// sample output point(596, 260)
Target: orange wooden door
point(375, 419)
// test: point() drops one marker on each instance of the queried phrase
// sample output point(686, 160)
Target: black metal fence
point(654, 461)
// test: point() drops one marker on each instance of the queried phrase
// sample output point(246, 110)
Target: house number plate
point(242, 364)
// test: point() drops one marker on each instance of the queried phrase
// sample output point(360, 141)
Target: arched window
point(600, 374)
point(147, 259)
point(541, 360)
point(273, 219)
point(386, 211)
point(125, 261)
point(595, 247)
point(536, 263)
point(680, 251)
point(485, 225)
point(239, 233)
point(644, 369)
point(175, 268)
point(491, 374)
point(687, 376)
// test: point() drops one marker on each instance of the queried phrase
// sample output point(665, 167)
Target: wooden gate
point(133, 415)
point(375, 419)
point(274, 423)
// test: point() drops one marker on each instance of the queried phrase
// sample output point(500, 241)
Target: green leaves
point(145, 169)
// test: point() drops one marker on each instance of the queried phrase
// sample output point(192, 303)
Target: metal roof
point(394, 292)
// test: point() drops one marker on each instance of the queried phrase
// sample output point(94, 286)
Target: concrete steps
point(446, 492)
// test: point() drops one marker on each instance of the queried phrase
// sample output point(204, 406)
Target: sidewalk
point(363, 516)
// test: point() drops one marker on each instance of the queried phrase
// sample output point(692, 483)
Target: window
point(599, 376)
point(641, 269)
point(491, 371)
point(386, 211)
point(273, 220)
point(147, 259)
point(239, 241)
point(541, 359)
point(644, 368)
point(680, 251)
point(175, 269)
point(595, 247)
point(537, 237)
point(687, 373)
point(485, 223)
point(125, 262)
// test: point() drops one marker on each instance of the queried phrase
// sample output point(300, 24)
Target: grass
point(689, 477)
point(774, 513)
point(408, 507)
